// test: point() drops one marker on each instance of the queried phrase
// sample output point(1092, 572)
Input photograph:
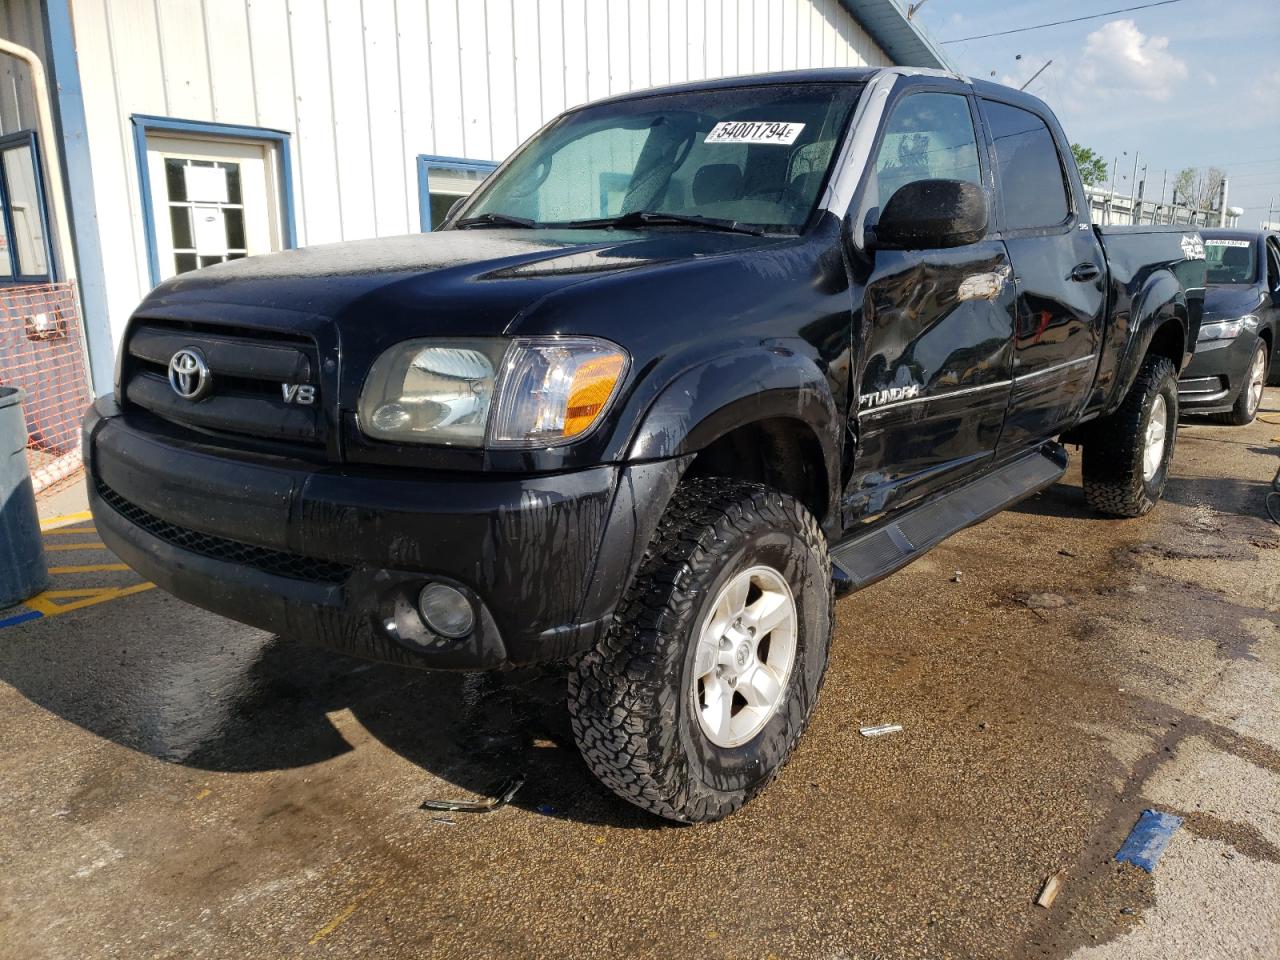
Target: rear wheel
point(1246, 406)
point(1127, 454)
point(693, 701)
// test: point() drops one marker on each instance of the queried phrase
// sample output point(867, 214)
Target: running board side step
point(874, 555)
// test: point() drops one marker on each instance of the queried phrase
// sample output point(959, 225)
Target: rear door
point(1271, 308)
point(1059, 272)
point(936, 325)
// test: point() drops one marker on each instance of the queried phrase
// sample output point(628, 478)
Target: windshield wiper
point(644, 218)
point(496, 220)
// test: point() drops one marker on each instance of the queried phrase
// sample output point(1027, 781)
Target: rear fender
point(1160, 301)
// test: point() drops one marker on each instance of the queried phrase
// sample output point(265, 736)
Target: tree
point(1184, 187)
point(1211, 195)
point(1199, 189)
point(1093, 169)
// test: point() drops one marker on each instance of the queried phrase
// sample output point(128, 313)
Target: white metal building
point(192, 131)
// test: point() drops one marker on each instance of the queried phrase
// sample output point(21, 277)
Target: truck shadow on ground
point(471, 730)
point(251, 703)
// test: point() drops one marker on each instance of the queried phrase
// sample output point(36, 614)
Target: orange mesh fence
point(42, 351)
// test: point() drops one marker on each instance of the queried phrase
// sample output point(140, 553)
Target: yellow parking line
point(343, 916)
point(64, 519)
point(55, 547)
point(63, 531)
point(90, 568)
point(79, 599)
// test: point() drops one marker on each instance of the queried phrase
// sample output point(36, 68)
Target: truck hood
point(443, 283)
point(1230, 301)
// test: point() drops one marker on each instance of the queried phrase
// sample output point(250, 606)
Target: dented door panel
point(935, 364)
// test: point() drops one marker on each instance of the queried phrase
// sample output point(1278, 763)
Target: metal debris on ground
point(1148, 838)
point(880, 730)
point(956, 577)
point(502, 796)
point(1052, 887)
point(445, 821)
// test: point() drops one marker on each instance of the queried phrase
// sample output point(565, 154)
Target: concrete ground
point(176, 785)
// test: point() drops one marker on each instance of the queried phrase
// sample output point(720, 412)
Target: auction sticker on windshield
point(1227, 243)
point(754, 131)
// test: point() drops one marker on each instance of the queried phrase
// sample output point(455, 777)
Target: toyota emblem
point(189, 374)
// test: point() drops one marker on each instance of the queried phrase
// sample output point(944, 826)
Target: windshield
point(1230, 261)
point(749, 155)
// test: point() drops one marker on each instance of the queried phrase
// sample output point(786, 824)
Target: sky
point(1195, 83)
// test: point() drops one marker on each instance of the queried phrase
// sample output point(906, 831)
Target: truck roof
point(829, 75)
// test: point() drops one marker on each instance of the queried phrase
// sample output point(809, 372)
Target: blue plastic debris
point(1146, 841)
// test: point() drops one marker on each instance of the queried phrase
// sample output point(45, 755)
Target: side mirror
point(932, 214)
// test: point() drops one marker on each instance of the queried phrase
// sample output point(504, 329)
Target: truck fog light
point(445, 610)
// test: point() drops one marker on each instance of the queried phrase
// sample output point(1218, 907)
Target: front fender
point(708, 401)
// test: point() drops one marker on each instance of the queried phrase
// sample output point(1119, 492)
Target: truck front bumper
point(338, 555)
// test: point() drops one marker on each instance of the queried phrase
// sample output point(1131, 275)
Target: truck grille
point(274, 562)
point(248, 375)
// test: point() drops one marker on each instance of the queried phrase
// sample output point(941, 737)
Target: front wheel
point(1127, 454)
point(1246, 406)
point(693, 701)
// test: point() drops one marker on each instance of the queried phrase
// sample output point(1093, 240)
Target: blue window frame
point(27, 247)
point(442, 181)
point(144, 125)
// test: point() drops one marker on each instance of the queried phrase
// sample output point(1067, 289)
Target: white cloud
point(1119, 60)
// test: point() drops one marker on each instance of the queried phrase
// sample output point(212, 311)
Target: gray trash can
point(23, 572)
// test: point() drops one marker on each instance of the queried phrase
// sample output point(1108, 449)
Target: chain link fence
point(42, 351)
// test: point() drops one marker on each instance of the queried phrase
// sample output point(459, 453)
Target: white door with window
point(212, 201)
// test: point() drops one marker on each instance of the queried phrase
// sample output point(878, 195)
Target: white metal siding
point(365, 87)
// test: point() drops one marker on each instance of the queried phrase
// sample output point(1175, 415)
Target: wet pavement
point(176, 785)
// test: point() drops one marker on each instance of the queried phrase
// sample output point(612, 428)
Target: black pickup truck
point(683, 354)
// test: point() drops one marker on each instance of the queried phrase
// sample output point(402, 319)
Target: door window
point(1031, 178)
point(929, 136)
point(206, 212)
point(211, 201)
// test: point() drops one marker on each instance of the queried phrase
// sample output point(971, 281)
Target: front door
point(936, 325)
point(1060, 273)
point(211, 201)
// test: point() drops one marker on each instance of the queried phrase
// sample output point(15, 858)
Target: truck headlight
point(1227, 329)
point(431, 391)
point(532, 392)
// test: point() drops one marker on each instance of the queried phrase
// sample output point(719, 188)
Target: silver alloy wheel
point(1257, 379)
point(746, 649)
point(1157, 428)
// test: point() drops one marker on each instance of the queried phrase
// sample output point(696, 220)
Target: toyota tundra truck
point(690, 363)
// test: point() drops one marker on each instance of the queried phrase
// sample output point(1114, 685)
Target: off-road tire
point(1240, 415)
point(629, 700)
point(1113, 445)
